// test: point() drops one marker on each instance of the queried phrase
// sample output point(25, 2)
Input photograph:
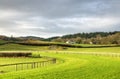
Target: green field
point(10, 68)
point(70, 66)
point(16, 47)
point(7, 60)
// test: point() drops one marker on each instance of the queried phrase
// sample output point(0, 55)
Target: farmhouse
point(70, 42)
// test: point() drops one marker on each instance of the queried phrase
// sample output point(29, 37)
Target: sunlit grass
point(70, 66)
point(74, 67)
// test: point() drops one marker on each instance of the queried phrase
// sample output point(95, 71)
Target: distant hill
point(9, 39)
point(93, 37)
point(84, 35)
point(31, 37)
point(89, 38)
point(89, 35)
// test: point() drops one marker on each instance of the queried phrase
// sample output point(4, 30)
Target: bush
point(15, 54)
point(36, 56)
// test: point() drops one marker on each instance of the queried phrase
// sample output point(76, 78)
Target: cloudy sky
point(46, 18)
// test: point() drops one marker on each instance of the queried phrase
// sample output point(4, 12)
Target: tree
point(57, 40)
point(78, 40)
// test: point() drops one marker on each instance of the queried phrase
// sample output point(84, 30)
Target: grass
point(70, 66)
point(101, 50)
point(74, 67)
point(2, 41)
point(18, 60)
point(11, 68)
point(17, 47)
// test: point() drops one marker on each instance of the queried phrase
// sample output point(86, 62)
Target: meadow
point(70, 66)
point(16, 60)
point(6, 60)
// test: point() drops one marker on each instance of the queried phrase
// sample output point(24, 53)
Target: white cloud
point(8, 14)
point(87, 22)
point(48, 18)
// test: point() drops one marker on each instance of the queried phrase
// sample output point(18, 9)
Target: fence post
point(34, 65)
point(27, 65)
point(16, 67)
point(54, 61)
point(21, 66)
point(31, 65)
point(37, 64)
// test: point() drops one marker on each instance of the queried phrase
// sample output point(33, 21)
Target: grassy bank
point(17, 47)
point(74, 67)
point(71, 66)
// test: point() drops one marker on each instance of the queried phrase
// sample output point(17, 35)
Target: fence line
point(95, 54)
point(25, 66)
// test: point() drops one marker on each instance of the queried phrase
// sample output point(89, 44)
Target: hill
point(79, 38)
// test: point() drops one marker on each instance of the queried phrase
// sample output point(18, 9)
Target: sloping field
point(74, 67)
point(7, 60)
point(17, 47)
point(74, 63)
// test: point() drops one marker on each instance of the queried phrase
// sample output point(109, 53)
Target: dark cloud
point(58, 17)
point(62, 8)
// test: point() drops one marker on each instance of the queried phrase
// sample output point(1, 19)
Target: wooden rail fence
point(24, 66)
point(90, 53)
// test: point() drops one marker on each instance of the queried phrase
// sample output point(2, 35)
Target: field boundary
point(65, 45)
point(90, 53)
point(29, 65)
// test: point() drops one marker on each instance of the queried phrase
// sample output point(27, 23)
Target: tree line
point(91, 38)
point(78, 38)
